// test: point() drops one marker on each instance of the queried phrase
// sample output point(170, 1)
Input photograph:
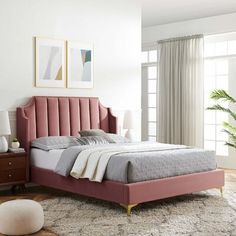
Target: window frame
point(146, 135)
point(216, 58)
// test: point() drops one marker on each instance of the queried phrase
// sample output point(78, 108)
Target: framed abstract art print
point(79, 65)
point(50, 63)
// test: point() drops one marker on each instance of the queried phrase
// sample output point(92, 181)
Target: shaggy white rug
point(202, 214)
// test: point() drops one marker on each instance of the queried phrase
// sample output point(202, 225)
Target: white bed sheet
point(45, 159)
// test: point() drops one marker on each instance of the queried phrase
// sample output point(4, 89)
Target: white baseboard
point(226, 162)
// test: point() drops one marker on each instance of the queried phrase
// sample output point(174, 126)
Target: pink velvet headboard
point(62, 116)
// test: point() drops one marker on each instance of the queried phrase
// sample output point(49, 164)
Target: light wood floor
point(41, 193)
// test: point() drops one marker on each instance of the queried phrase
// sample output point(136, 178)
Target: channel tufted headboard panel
point(62, 116)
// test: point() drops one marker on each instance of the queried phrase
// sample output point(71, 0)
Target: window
point(149, 94)
point(219, 73)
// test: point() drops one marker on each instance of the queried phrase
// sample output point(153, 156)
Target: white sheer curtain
point(180, 113)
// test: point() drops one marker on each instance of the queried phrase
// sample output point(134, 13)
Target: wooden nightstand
point(14, 169)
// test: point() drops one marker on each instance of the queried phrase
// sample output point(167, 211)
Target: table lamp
point(4, 130)
point(128, 124)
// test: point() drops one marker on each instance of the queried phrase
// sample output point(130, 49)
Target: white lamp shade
point(4, 123)
point(128, 122)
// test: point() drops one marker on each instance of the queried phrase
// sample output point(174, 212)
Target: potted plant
point(221, 95)
point(15, 143)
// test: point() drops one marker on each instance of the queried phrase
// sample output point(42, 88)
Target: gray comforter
point(147, 165)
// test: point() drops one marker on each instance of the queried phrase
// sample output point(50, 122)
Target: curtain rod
point(180, 38)
point(219, 32)
point(153, 43)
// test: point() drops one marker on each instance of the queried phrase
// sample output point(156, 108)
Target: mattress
point(131, 167)
point(143, 166)
point(45, 159)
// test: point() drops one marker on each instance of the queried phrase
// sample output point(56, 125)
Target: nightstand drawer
point(12, 163)
point(12, 176)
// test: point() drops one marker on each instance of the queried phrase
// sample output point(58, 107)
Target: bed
point(65, 116)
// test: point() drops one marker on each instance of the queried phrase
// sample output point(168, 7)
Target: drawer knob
point(9, 175)
point(9, 163)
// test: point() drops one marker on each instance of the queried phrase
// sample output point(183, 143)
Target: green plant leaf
point(218, 107)
point(232, 136)
point(228, 126)
point(230, 144)
point(220, 94)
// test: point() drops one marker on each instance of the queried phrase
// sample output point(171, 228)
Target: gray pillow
point(92, 132)
point(96, 132)
point(118, 138)
point(92, 140)
point(53, 142)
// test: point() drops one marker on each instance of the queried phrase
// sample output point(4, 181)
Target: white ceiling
point(156, 12)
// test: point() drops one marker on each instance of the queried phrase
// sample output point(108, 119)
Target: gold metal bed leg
point(221, 191)
point(128, 207)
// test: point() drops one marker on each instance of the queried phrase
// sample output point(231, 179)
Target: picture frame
point(50, 63)
point(79, 65)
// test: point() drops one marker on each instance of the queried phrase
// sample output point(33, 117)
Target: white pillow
point(118, 138)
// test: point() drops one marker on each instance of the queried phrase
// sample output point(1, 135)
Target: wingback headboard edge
point(61, 116)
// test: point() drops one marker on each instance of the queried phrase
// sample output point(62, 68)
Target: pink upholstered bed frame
point(55, 116)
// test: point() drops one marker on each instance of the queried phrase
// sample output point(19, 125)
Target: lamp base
point(129, 135)
point(3, 144)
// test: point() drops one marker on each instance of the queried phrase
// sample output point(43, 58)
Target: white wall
point(209, 25)
point(206, 26)
point(113, 26)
